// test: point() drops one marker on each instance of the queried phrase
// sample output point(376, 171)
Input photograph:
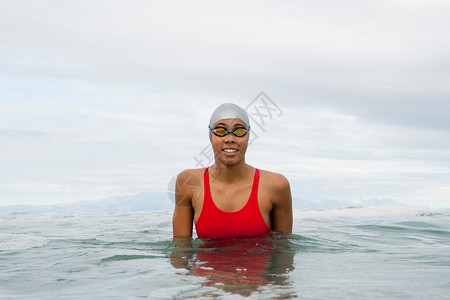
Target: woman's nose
point(229, 138)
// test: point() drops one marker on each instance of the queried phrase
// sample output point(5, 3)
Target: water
point(360, 253)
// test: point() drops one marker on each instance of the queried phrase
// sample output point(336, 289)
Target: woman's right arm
point(183, 215)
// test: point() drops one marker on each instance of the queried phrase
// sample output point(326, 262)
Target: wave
point(21, 241)
point(375, 211)
point(122, 257)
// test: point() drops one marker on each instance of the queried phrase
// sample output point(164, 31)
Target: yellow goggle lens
point(220, 132)
point(240, 132)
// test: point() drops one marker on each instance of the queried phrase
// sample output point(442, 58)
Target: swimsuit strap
point(254, 194)
point(208, 202)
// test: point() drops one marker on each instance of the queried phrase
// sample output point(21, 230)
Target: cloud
point(92, 88)
point(329, 155)
point(20, 133)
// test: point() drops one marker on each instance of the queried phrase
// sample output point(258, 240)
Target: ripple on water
point(21, 241)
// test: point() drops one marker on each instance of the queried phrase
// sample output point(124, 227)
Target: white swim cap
point(229, 111)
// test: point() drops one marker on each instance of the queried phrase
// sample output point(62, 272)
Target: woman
point(230, 198)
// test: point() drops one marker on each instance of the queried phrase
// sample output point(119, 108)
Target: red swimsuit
point(216, 223)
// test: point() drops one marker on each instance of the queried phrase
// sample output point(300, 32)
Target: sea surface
point(355, 253)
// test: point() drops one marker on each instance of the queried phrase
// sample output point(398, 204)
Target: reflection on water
point(241, 266)
point(370, 253)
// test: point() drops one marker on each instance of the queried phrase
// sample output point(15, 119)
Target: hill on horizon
point(154, 201)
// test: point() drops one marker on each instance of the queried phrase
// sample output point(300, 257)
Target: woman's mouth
point(230, 151)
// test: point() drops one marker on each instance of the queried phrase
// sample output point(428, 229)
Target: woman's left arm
point(282, 205)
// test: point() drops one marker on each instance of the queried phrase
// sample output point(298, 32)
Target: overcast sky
point(104, 98)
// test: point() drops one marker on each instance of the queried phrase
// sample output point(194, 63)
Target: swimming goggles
point(221, 132)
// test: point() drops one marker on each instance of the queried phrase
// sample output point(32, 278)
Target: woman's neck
point(230, 174)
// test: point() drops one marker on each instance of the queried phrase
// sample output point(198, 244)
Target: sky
point(349, 100)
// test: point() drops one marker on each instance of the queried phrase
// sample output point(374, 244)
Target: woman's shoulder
point(274, 180)
point(190, 176)
point(277, 187)
point(188, 172)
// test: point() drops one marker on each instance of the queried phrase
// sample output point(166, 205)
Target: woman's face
point(229, 149)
